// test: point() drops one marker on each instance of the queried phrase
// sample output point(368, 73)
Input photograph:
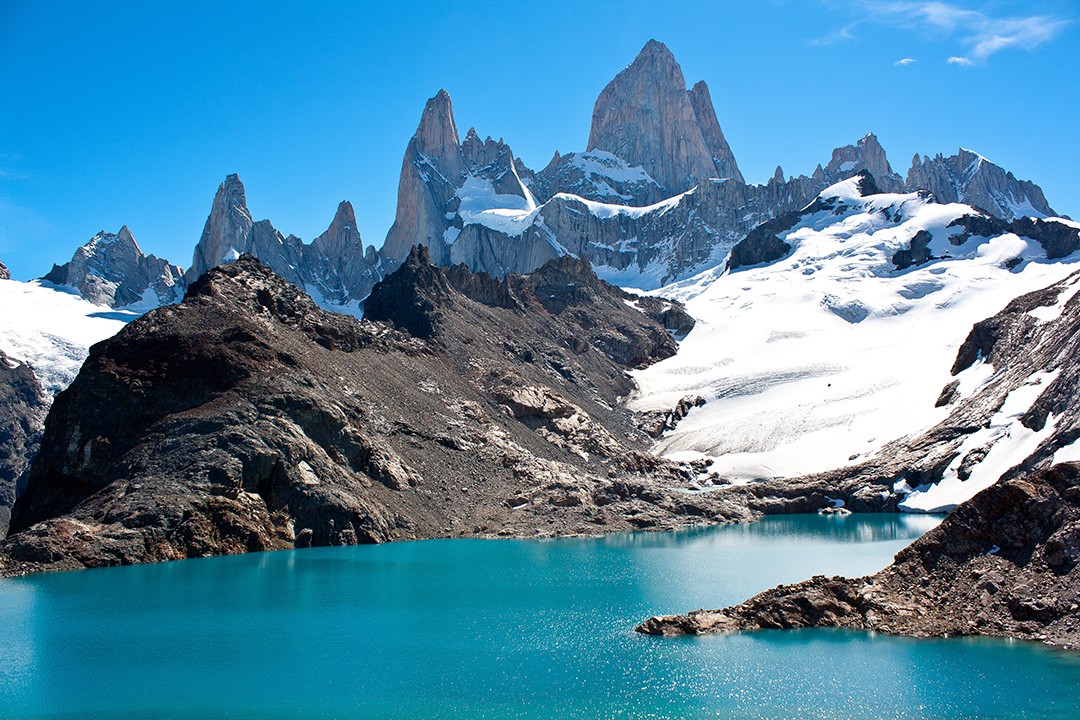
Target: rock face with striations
point(111, 269)
point(430, 174)
point(705, 111)
point(246, 418)
point(1003, 563)
point(646, 117)
point(970, 178)
point(227, 232)
point(22, 417)
point(4, 273)
point(341, 271)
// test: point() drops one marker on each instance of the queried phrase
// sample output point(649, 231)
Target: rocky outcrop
point(865, 155)
point(245, 418)
point(647, 117)
point(1058, 239)
point(968, 177)
point(761, 245)
point(411, 298)
point(4, 273)
point(22, 417)
point(111, 269)
point(335, 268)
point(1003, 563)
point(917, 252)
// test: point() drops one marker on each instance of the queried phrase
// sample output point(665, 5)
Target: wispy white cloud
point(959, 60)
point(979, 32)
point(845, 33)
point(904, 61)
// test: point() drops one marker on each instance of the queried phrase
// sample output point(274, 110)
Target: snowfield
point(818, 360)
point(51, 329)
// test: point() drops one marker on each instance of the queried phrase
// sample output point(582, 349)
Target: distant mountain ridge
point(656, 197)
point(111, 269)
point(658, 194)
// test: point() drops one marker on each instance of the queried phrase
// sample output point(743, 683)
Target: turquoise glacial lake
point(498, 629)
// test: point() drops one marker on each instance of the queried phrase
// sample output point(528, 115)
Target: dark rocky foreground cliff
point(246, 418)
point(1004, 563)
point(22, 417)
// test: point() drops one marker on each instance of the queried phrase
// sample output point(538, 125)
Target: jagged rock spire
point(970, 178)
point(341, 239)
point(437, 135)
point(227, 231)
point(430, 174)
point(647, 117)
point(723, 158)
point(866, 154)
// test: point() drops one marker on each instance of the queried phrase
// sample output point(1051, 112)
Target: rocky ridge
point(657, 197)
point(970, 178)
point(335, 268)
point(246, 418)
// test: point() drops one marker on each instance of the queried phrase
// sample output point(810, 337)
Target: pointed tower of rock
point(227, 232)
point(646, 117)
point(341, 241)
point(867, 154)
point(430, 173)
point(723, 158)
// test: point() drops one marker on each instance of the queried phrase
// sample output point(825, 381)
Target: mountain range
point(656, 197)
point(846, 340)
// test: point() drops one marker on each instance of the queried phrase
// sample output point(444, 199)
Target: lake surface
point(498, 629)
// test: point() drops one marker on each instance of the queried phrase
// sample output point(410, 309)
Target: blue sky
point(133, 113)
